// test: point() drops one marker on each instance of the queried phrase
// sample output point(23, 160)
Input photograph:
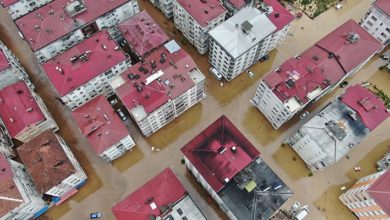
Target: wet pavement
point(109, 183)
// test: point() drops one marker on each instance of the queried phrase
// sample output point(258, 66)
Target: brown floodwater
point(109, 183)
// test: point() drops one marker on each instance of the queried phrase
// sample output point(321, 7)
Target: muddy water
point(109, 183)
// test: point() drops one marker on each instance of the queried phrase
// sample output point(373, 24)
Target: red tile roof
point(280, 16)
point(7, 3)
point(203, 11)
point(100, 124)
point(46, 161)
point(350, 55)
point(142, 33)
point(367, 105)
point(383, 5)
point(174, 81)
point(237, 3)
point(211, 152)
point(101, 54)
point(323, 64)
point(51, 22)
point(8, 188)
point(161, 190)
point(4, 64)
point(18, 108)
point(303, 75)
point(380, 191)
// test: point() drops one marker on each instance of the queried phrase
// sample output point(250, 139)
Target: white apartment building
point(19, 198)
point(161, 88)
point(377, 21)
point(249, 35)
point(166, 6)
point(99, 58)
point(10, 69)
point(23, 112)
point(304, 79)
point(196, 18)
point(368, 198)
point(240, 41)
point(338, 128)
point(47, 155)
point(105, 132)
point(18, 8)
point(77, 20)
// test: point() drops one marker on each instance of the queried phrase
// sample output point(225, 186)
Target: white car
point(294, 208)
point(304, 115)
point(303, 212)
point(121, 114)
point(216, 73)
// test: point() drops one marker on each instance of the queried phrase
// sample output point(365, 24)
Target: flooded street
point(109, 183)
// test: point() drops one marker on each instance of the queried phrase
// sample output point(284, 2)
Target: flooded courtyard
point(109, 183)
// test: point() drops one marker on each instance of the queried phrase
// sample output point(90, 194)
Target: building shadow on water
point(129, 159)
point(177, 127)
point(255, 123)
point(291, 163)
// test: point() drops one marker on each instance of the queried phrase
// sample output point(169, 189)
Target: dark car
point(343, 84)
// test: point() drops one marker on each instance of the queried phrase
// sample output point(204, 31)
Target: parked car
point(343, 84)
point(216, 73)
point(251, 74)
point(385, 57)
point(304, 115)
point(95, 215)
point(303, 212)
point(366, 84)
point(294, 208)
point(121, 114)
point(114, 101)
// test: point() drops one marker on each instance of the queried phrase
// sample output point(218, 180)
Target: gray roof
point(328, 136)
point(231, 33)
point(255, 205)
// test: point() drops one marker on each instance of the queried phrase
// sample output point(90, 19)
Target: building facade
point(105, 132)
point(6, 143)
point(78, 20)
point(19, 198)
point(338, 128)
point(23, 112)
point(162, 87)
point(10, 69)
point(304, 79)
point(229, 168)
point(196, 18)
point(377, 21)
point(55, 171)
point(162, 197)
point(369, 197)
point(18, 8)
point(166, 6)
point(99, 58)
point(245, 38)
